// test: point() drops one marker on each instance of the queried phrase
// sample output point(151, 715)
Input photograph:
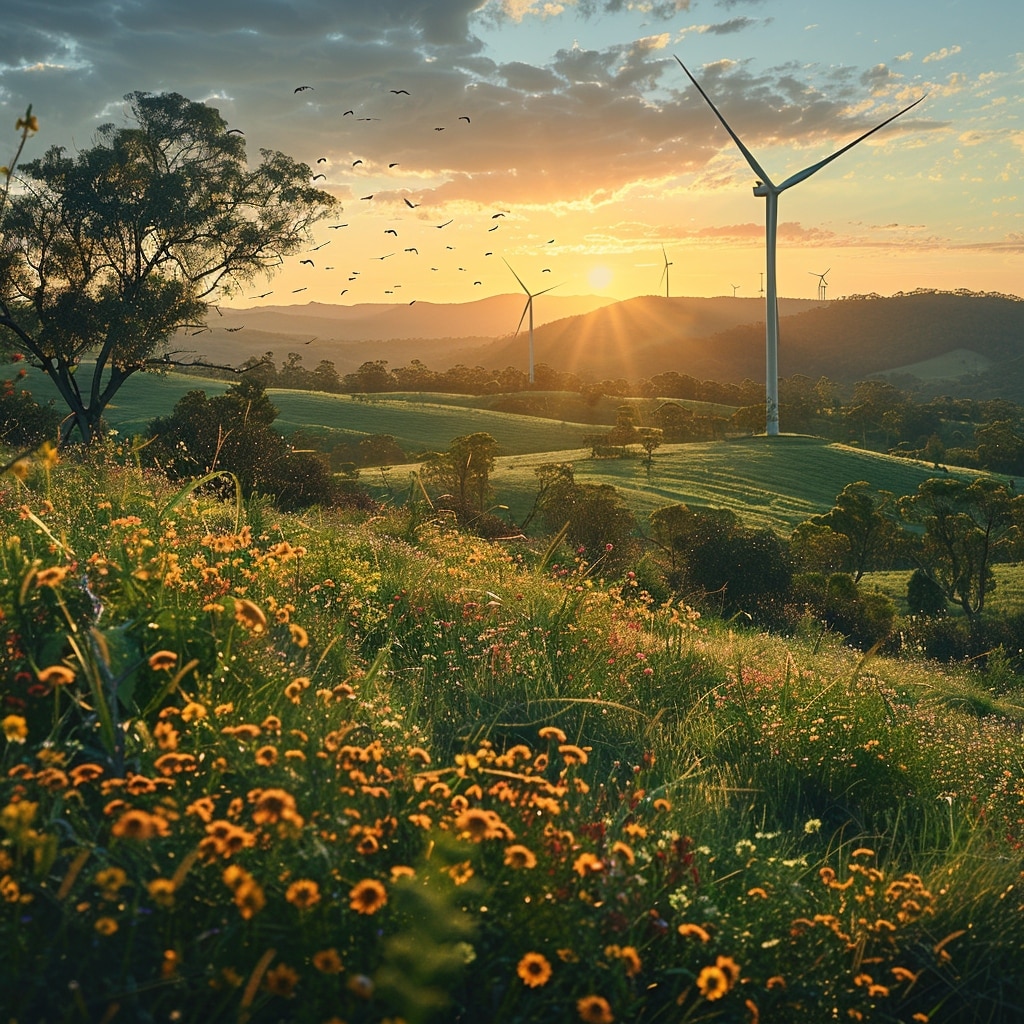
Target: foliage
point(463, 471)
point(261, 767)
point(966, 527)
point(924, 595)
point(233, 432)
point(861, 514)
point(864, 617)
point(109, 252)
point(24, 423)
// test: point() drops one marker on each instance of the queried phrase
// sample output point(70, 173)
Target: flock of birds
point(405, 228)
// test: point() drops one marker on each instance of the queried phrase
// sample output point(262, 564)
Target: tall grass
point(266, 767)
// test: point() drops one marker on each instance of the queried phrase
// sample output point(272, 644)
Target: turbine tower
point(734, 287)
point(821, 283)
point(528, 308)
point(766, 189)
point(664, 273)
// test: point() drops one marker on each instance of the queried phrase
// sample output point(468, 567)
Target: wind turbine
point(528, 308)
point(664, 273)
point(766, 189)
point(734, 287)
point(821, 283)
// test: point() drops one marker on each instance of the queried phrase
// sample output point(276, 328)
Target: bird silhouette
point(495, 228)
point(234, 131)
point(335, 226)
point(347, 112)
point(366, 197)
point(316, 176)
point(311, 340)
point(321, 159)
point(310, 262)
point(354, 162)
point(464, 118)
point(320, 246)
point(383, 257)
point(391, 231)
point(413, 249)
point(488, 253)
point(302, 88)
point(495, 215)
point(400, 92)
point(295, 290)
point(343, 290)
point(395, 164)
point(478, 282)
point(438, 129)
point(412, 206)
point(551, 241)
point(233, 330)
point(413, 303)
point(546, 270)
point(263, 296)
point(351, 278)
point(445, 224)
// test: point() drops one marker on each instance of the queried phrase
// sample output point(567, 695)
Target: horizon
point(566, 139)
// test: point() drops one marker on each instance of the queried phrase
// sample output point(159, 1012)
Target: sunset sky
point(582, 131)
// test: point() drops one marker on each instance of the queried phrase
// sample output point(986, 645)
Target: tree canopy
point(105, 255)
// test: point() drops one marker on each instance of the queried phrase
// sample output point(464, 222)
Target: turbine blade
point(808, 171)
point(526, 309)
point(755, 166)
point(662, 278)
point(516, 276)
point(546, 290)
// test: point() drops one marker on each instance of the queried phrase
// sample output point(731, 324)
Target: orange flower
point(693, 931)
point(587, 863)
point(51, 577)
point(250, 615)
point(519, 856)
point(266, 756)
point(56, 675)
point(594, 1010)
point(162, 659)
point(303, 893)
point(281, 981)
point(367, 896)
point(161, 892)
point(327, 961)
point(15, 729)
point(105, 925)
point(729, 967)
point(713, 983)
point(139, 825)
point(572, 754)
point(534, 970)
point(551, 732)
point(273, 805)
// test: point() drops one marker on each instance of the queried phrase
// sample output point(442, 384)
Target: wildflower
point(418, 754)
point(629, 956)
point(594, 1010)
point(111, 880)
point(693, 931)
point(862, 851)
point(169, 967)
point(572, 754)
point(56, 675)
point(625, 850)
point(713, 983)
point(303, 893)
point(161, 892)
point(15, 729)
point(518, 856)
point(461, 873)
point(105, 925)
point(534, 970)
point(281, 981)
point(193, 712)
point(661, 804)
point(402, 871)
point(587, 862)
point(160, 660)
point(812, 826)
point(51, 577)
point(28, 123)
point(327, 961)
point(757, 891)
point(299, 636)
point(360, 985)
point(266, 756)
point(551, 732)
point(729, 967)
point(250, 615)
point(367, 896)
point(274, 805)
point(139, 825)
point(83, 773)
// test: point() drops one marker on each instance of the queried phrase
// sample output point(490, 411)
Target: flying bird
point(294, 290)
point(311, 340)
point(413, 249)
point(321, 159)
point(366, 197)
point(315, 176)
point(464, 118)
point(413, 303)
point(232, 330)
point(400, 92)
point(234, 131)
point(354, 162)
point(383, 257)
point(494, 215)
point(302, 88)
point(551, 241)
point(412, 206)
point(495, 228)
point(343, 290)
point(395, 164)
point(310, 262)
point(546, 270)
point(438, 129)
point(478, 282)
point(391, 231)
point(263, 296)
point(320, 246)
point(351, 278)
point(347, 112)
point(488, 253)
point(445, 224)
point(335, 226)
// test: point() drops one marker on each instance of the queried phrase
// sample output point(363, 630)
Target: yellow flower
point(519, 856)
point(281, 981)
point(15, 728)
point(534, 970)
point(367, 896)
point(303, 893)
point(594, 1010)
point(299, 636)
point(552, 732)
point(250, 615)
point(51, 577)
point(693, 931)
point(327, 961)
point(105, 925)
point(139, 825)
point(587, 863)
point(162, 659)
point(266, 756)
point(193, 712)
point(161, 892)
point(713, 983)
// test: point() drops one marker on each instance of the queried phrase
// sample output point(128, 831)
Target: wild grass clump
point(262, 767)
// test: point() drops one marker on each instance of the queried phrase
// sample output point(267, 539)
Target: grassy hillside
point(772, 484)
point(260, 767)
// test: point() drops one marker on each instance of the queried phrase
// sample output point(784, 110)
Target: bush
point(925, 596)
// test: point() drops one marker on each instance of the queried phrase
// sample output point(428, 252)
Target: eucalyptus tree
point(107, 254)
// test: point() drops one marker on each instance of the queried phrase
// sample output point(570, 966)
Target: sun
point(600, 278)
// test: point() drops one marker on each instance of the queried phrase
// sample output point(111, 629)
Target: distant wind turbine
point(821, 283)
point(766, 189)
point(528, 308)
point(734, 287)
point(664, 273)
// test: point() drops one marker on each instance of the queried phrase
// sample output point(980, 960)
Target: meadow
point(336, 767)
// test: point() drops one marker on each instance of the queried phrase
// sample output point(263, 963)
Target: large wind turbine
point(664, 273)
point(766, 189)
point(821, 283)
point(528, 308)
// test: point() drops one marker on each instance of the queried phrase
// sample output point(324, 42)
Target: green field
point(773, 484)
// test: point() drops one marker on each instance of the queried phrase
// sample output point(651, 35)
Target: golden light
point(600, 278)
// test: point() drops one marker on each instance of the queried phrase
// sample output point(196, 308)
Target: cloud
point(946, 51)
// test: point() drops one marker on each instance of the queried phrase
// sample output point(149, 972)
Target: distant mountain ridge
point(980, 337)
